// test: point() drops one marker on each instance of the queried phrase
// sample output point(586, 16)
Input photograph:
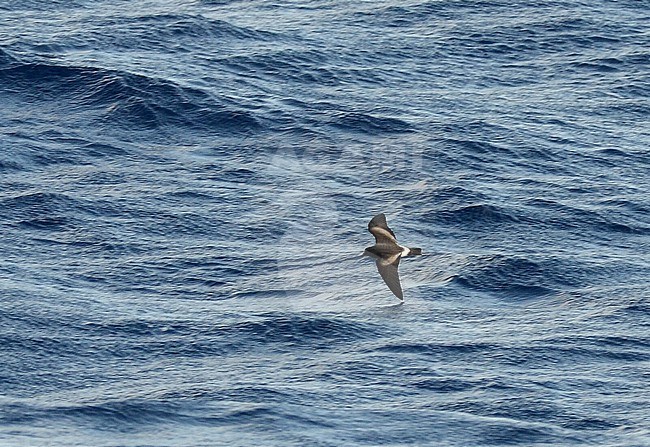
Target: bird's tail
point(414, 252)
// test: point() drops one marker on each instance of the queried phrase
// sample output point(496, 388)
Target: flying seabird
point(387, 253)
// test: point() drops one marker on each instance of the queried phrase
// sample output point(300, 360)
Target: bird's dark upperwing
point(379, 228)
point(387, 268)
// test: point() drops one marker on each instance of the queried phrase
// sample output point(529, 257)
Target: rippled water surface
point(184, 193)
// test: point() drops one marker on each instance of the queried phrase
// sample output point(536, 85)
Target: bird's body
point(387, 253)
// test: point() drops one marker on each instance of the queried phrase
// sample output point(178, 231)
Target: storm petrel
point(387, 253)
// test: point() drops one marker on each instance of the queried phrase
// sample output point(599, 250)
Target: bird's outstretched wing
point(387, 268)
point(379, 228)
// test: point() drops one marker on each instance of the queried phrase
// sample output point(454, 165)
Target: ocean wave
point(117, 416)
point(6, 58)
point(436, 349)
point(551, 350)
point(605, 221)
point(538, 214)
point(35, 5)
point(479, 214)
point(512, 276)
point(424, 11)
point(367, 123)
point(303, 66)
point(167, 33)
point(138, 338)
point(218, 2)
point(171, 27)
point(170, 33)
point(299, 330)
point(41, 211)
point(9, 165)
point(125, 99)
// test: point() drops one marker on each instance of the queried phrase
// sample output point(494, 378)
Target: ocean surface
point(185, 188)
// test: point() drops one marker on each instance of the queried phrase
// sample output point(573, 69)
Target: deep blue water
point(184, 193)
